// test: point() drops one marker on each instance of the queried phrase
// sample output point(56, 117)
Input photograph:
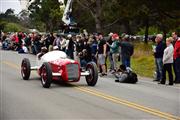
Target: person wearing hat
point(114, 49)
point(44, 50)
point(127, 50)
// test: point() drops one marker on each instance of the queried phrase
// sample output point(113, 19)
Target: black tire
point(46, 75)
point(93, 77)
point(25, 69)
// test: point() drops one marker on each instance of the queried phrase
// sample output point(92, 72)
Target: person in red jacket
point(176, 57)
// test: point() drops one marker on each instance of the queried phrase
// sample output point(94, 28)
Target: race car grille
point(72, 71)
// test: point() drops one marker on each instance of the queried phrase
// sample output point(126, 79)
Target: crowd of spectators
point(167, 58)
point(98, 48)
point(83, 47)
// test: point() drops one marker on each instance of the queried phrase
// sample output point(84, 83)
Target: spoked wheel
point(25, 69)
point(92, 78)
point(46, 75)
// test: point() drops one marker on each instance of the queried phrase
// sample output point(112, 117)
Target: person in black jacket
point(158, 54)
point(70, 46)
point(127, 50)
point(36, 44)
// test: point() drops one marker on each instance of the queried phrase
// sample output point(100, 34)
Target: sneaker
point(156, 80)
point(161, 83)
point(170, 83)
point(116, 80)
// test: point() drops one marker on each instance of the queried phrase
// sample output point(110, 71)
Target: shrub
point(12, 27)
point(152, 31)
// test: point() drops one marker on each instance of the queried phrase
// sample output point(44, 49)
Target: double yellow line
point(129, 104)
point(116, 100)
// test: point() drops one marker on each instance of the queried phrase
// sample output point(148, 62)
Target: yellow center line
point(115, 99)
point(11, 64)
point(127, 103)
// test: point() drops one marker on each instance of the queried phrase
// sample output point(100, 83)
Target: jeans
point(70, 54)
point(159, 67)
point(177, 67)
point(36, 49)
point(174, 68)
point(115, 60)
point(111, 61)
point(83, 62)
point(126, 61)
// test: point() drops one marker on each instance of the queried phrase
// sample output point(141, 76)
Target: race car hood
point(53, 56)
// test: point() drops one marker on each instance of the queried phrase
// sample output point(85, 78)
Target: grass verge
point(142, 61)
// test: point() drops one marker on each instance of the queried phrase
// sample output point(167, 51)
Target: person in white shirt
point(25, 49)
point(168, 61)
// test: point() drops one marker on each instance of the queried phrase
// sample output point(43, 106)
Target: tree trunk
point(146, 30)
point(164, 35)
point(48, 27)
point(95, 11)
point(97, 16)
point(127, 27)
point(98, 24)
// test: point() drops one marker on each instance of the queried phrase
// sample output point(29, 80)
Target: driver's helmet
point(44, 50)
point(69, 36)
point(55, 48)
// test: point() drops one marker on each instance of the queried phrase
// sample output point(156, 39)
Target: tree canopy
point(129, 16)
point(9, 22)
point(47, 12)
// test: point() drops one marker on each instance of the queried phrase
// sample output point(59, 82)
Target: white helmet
point(69, 36)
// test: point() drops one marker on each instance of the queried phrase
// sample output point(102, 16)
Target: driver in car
point(44, 50)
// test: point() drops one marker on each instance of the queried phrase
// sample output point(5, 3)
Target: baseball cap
point(115, 36)
point(110, 34)
point(69, 36)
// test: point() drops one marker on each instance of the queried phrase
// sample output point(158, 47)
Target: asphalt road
point(28, 100)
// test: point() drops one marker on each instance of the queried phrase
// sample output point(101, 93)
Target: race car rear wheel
point(25, 69)
point(46, 75)
point(92, 78)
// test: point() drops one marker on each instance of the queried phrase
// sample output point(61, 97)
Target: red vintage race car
point(55, 65)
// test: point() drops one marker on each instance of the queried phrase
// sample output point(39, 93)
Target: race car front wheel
point(46, 75)
point(92, 78)
point(25, 69)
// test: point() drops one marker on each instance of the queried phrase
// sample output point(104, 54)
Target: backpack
point(132, 77)
point(131, 49)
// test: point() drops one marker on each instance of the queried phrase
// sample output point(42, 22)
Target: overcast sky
point(13, 4)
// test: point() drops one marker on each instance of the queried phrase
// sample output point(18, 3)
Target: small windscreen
point(71, 30)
